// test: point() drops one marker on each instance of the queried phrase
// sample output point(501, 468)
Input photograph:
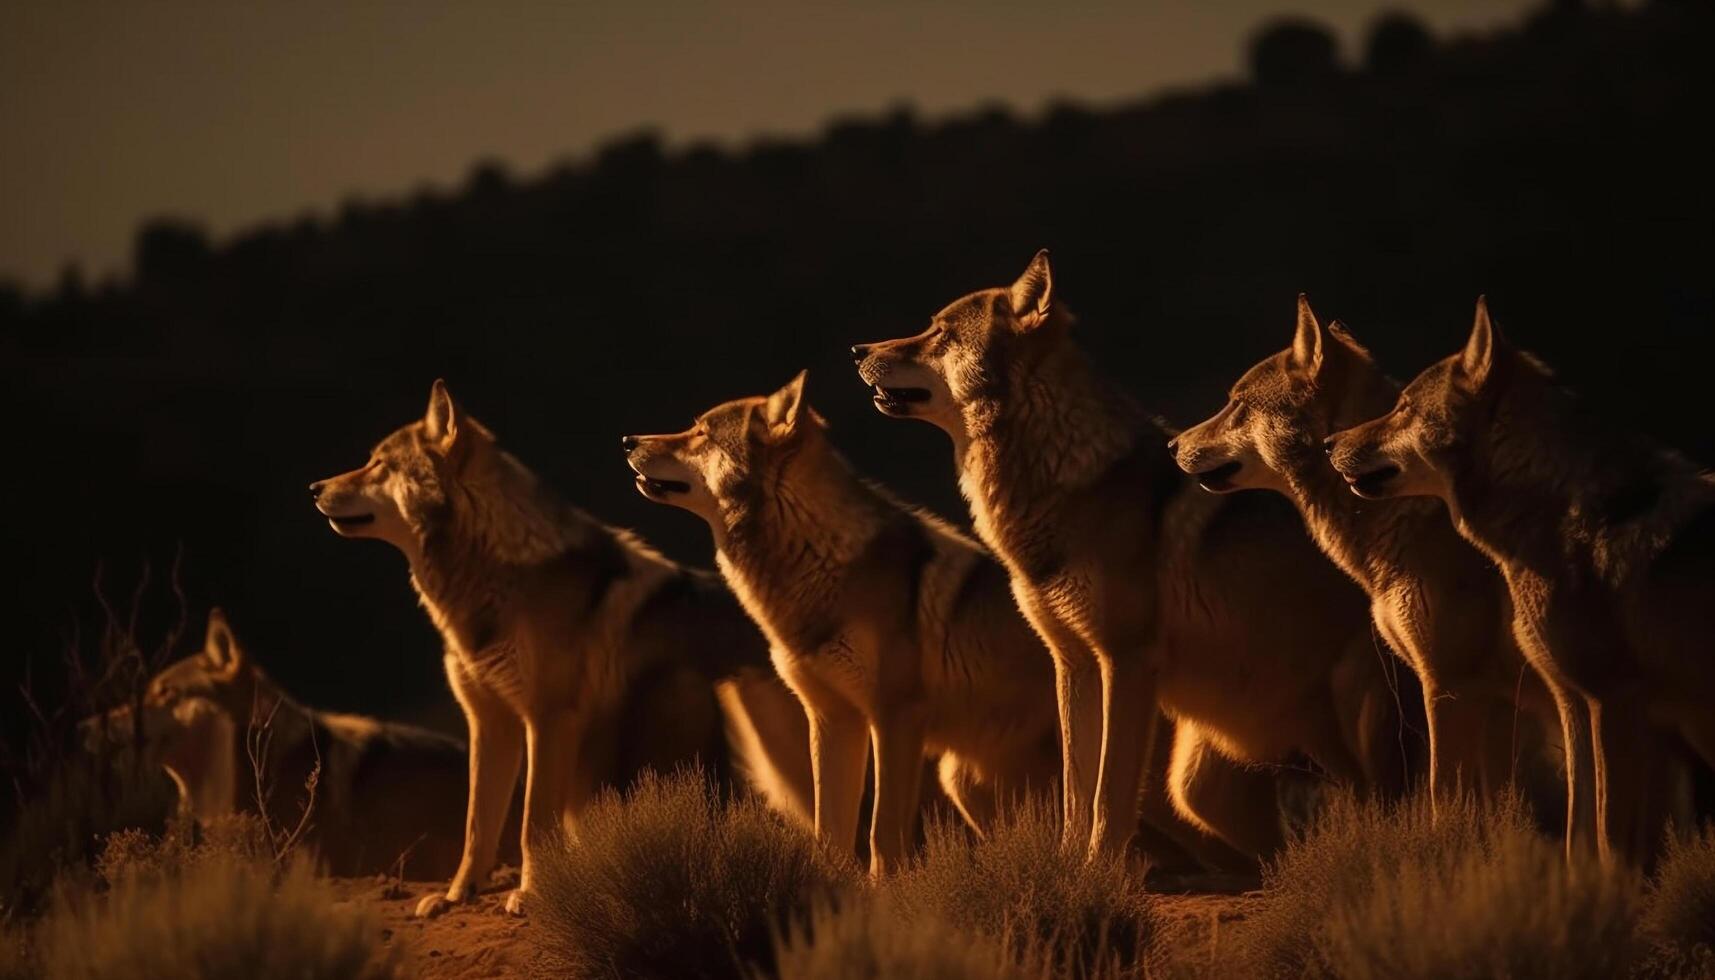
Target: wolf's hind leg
point(496, 749)
point(975, 799)
point(1227, 800)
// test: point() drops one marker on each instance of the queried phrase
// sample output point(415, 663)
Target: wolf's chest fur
point(490, 655)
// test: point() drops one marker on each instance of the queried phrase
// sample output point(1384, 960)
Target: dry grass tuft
point(667, 881)
point(70, 795)
point(871, 938)
point(132, 855)
point(1678, 920)
point(60, 829)
point(1023, 888)
point(1372, 890)
point(207, 909)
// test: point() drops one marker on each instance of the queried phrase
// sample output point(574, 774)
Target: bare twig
point(257, 740)
point(396, 889)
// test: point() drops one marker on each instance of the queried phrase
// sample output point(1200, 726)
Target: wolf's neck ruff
point(1540, 452)
point(1365, 538)
point(797, 537)
point(1056, 426)
point(499, 521)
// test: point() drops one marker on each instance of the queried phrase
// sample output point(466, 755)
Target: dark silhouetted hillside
point(1563, 168)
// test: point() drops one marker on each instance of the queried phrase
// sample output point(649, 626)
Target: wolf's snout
point(1173, 444)
point(859, 352)
point(316, 490)
point(628, 443)
point(1329, 445)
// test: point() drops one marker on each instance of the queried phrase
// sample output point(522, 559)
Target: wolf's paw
point(433, 905)
point(515, 901)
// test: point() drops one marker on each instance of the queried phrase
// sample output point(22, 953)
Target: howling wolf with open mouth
point(572, 647)
point(1148, 592)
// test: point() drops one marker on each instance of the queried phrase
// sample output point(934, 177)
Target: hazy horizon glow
point(229, 115)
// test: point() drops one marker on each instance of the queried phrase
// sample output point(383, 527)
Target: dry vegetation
point(866, 938)
point(1678, 920)
point(1022, 887)
point(215, 907)
point(671, 881)
point(668, 882)
point(70, 799)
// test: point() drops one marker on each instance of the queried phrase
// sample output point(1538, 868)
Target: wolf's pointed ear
point(1342, 335)
point(221, 646)
point(1477, 361)
point(1307, 339)
point(441, 422)
point(785, 408)
point(1033, 293)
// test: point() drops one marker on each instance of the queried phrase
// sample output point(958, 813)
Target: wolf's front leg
point(839, 746)
point(898, 740)
point(1129, 711)
point(496, 747)
point(1633, 781)
point(1579, 746)
point(552, 743)
point(1078, 693)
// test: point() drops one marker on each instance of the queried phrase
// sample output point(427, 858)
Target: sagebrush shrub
point(1023, 886)
point(1399, 891)
point(1678, 919)
point(868, 937)
point(667, 881)
point(217, 916)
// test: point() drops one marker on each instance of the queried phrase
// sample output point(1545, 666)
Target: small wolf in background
point(1147, 592)
point(1435, 599)
point(384, 789)
point(570, 646)
point(1607, 545)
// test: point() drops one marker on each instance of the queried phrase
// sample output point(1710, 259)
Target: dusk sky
point(229, 114)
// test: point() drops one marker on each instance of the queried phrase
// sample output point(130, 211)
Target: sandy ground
point(480, 941)
point(476, 942)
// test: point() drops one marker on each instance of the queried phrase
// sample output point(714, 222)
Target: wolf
point(1607, 544)
point(898, 633)
point(387, 795)
point(1146, 591)
point(892, 629)
point(570, 645)
point(1437, 601)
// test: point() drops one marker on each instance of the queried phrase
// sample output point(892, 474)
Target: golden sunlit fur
point(384, 790)
point(1607, 545)
point(1147, 592)
point(893, 629)
point(1438, 602)
point(571, 646)
point(884, 618)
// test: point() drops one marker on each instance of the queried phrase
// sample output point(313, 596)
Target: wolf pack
point(1475, 556)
